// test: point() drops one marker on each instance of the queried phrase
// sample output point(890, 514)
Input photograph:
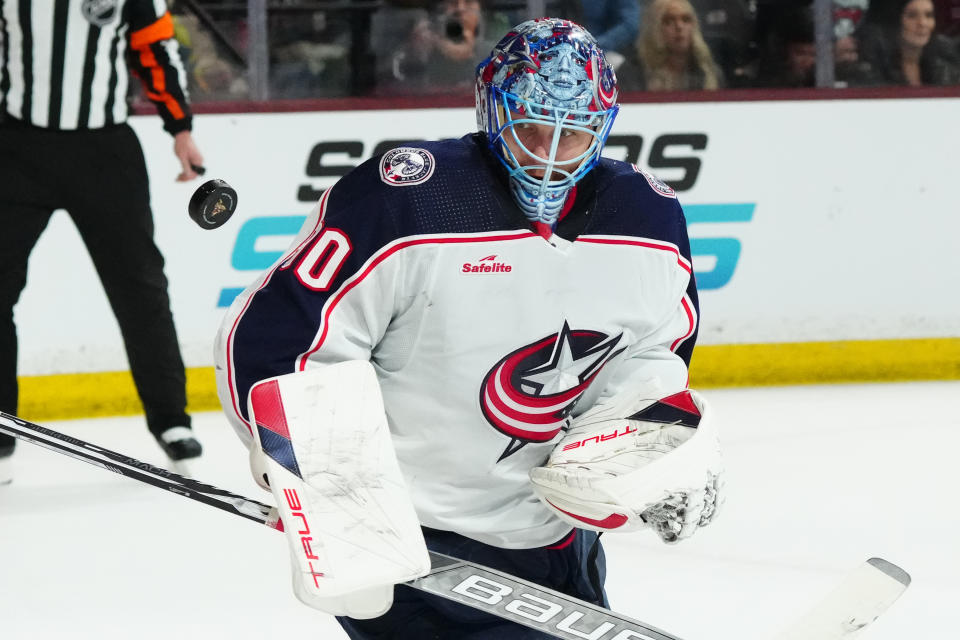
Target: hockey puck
point(212, 204)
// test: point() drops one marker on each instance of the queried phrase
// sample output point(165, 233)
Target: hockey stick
point(859, 600)
point(474, 585)
point(863, 595)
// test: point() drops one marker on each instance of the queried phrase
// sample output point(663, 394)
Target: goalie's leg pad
point(349, 521)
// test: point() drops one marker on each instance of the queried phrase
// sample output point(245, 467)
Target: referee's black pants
point(100, 178)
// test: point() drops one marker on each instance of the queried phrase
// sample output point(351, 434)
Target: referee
point(65, 144)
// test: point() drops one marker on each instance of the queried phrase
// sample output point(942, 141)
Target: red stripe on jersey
point(690, 318)
point(516, 235)
point(234, 400)
point(568, 203)
point(531, 401)
point(565, 542)
point(529, 417)
point(682, 262)
point(285, 264)
point(647, 244)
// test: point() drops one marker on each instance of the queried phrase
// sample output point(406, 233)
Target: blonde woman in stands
point(670, 52)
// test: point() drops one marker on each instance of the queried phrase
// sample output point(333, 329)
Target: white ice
point(820, 479)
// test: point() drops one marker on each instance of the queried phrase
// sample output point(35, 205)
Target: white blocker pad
point(349, 521)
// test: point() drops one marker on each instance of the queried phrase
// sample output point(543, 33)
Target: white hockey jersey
point(486, 337)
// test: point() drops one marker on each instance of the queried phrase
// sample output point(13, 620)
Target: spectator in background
point(729, 29)
point(210, 75)
point(439, 51)
point(789, 54)
point(900, 44)
point(848, 15)
point(614, 23)
point(772, 21)
point(670, 53)
point(309, 53)
point(390, 27)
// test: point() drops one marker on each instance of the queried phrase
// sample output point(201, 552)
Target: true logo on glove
point(293, 501)
point(601, 438)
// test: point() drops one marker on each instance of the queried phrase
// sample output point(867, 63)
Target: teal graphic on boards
point(723, 252)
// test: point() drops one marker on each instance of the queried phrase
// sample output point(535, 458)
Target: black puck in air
point(212, 204)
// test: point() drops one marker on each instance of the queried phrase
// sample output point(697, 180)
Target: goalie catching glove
point(637, 463)
point(321, 437)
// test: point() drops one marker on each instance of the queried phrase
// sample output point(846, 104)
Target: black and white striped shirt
point(65, 62)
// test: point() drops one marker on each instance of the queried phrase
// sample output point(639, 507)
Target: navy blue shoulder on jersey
point(468, 192)
point(463, 193)
point(625, 202)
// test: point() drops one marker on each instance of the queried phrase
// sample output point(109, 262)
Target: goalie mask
point(546, 99)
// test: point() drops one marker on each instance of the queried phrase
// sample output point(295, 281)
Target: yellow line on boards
point(111, 393)
point(751, 365)
point(87, 395)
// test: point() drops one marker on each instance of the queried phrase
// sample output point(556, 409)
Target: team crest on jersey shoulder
point(656, 183)
point(99, 12)
point(405, 166)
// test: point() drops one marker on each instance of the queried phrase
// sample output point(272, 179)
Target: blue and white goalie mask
point(546, 98)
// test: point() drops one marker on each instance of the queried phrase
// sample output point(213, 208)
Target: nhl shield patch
point(405, 166)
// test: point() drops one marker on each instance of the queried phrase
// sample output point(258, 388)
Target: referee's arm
point(153, 57)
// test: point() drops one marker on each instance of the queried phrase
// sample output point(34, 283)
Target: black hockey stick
point(474, 585)
point(142, 471)
point(863, 595)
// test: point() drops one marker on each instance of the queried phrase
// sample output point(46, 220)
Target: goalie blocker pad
point(349, 521)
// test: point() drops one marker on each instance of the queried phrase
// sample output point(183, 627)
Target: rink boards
point(824, 236)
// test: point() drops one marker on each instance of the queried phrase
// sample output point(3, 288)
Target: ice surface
point(820, 479)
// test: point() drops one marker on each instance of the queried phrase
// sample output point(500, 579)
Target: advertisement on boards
point(809, 221)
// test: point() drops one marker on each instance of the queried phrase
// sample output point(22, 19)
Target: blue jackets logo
point(405, 166)
point(529, 394)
